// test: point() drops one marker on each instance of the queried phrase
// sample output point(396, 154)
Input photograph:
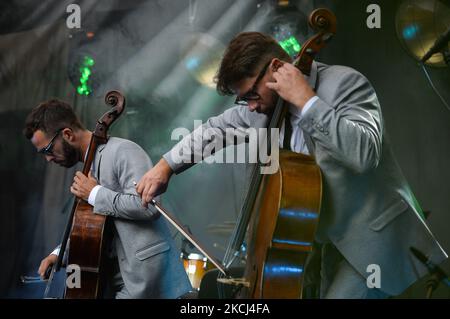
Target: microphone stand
point(436, 273)
point(431, 285)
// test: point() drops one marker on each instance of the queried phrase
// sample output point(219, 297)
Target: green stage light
point(84, 87)
point(288, 26)
point(291, 45)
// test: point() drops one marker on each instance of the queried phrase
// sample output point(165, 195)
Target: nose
point(49, 158)
point(252, 105)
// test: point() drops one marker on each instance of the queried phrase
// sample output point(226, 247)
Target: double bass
point(277, 224)
point(85, 229)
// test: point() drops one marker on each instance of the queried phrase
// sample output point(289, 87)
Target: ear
point(68, 135)
point(275, 64)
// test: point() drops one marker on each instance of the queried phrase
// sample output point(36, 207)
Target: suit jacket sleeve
point(190, 149)
point(130, 164)
point(350, 127)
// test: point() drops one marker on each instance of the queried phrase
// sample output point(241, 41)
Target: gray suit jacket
point(148, 258)
point(368, 210)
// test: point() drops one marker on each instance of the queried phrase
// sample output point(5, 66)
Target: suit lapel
point(312, 78)
point(97, 161)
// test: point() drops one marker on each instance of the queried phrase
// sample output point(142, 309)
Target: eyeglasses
point(252, 95)
point(48, 150)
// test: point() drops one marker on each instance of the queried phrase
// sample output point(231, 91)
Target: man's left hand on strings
point(83, 185)
point(291, 85)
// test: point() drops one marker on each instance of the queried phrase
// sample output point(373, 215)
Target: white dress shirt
point(298, 143)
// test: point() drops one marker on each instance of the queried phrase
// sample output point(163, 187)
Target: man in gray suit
point(369, 217)
point(142, 259)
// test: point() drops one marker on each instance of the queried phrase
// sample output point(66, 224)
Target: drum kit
point(195, 264)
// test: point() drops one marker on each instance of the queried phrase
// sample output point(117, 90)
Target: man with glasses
point(142, 260)
point(369, 215)
point(48, 149)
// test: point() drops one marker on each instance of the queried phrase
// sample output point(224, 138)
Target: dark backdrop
point(141, 45)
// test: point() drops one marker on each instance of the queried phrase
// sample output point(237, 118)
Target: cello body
point(282, 233)
point(86, 247)
point(86, 229)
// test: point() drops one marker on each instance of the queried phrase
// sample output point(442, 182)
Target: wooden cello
point(278, 221)
point(86, 229)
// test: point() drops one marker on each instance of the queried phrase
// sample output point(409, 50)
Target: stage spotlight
point(84, 87)
point(419, 24)
point(82, 65)
point(288, 26)
point(201, 55)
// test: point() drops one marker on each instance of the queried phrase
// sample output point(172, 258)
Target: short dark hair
point(49, 117)
point(247, 52)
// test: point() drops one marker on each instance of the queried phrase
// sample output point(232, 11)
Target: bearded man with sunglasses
point(369, 215)
point(142, 260)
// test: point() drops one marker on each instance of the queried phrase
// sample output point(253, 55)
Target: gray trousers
point(330, 276)
point(114, 286)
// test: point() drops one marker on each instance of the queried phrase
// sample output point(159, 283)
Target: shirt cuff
point(56, 251)
point(175, 161)
point(309, 104)
point(93, 194)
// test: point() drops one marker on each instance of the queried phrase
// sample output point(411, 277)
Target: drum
point(195, 266)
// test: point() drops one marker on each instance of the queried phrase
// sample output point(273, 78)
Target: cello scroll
point(116, 100)
point(324, 22)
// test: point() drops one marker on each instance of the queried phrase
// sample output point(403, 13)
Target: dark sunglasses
point(48, 150)
point(252, 95)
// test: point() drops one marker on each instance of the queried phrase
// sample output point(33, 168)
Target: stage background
point(140, 48)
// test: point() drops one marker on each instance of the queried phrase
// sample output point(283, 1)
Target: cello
point(278, 221)
point(85, 229)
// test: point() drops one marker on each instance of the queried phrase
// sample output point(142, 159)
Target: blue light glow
point(192, 63)
point(410, 31)
point(285, 269)
point(291, 242)
point(297, 214)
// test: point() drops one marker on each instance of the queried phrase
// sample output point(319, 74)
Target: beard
point(269, 105)
point(71, 154)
